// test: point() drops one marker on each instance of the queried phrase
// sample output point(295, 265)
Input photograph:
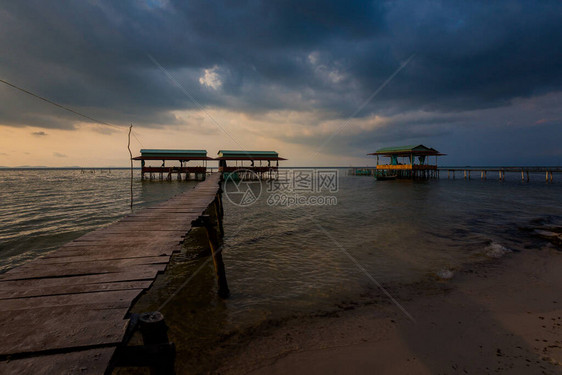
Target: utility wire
point(57, 105)
point(138, 140)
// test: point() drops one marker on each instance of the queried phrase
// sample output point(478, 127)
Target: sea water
point(286, 260)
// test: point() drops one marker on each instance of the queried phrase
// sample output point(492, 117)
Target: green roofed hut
point(265, 164)
point(406, 162)
point(177, 164)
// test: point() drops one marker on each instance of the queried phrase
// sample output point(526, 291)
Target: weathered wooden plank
point(157, 230)
point(147, 229)
point(125, 275)
point(16, 291)
point(86, 362)
point(189, 208)
point(163, 213)
point(115, 299)
point(36, 271)
point(132, 238)
point(162, 248)
point(49, 328)
point(100, 252)
point(115, 259)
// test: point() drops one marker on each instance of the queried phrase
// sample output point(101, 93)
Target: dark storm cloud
point(298, 55)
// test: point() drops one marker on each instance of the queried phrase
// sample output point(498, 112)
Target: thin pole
point(131, 158)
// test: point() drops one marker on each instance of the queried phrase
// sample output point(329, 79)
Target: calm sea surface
point(283, 261)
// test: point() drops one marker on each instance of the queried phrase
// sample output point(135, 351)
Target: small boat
point(383, 178)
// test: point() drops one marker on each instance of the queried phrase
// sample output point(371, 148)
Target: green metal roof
point(406, 150)
point(242, 153)
point(186, 153)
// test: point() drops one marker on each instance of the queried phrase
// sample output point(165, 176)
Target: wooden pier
point(68, 311)
point(468, 173)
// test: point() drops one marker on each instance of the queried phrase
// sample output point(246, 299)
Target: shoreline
point(498, 316)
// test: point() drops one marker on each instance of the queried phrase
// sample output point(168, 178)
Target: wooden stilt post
point(218, 214)
point(216, 253)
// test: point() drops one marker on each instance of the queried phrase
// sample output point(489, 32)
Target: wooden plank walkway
point(66, 312)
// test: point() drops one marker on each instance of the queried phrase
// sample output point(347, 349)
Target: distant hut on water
point(406, 162)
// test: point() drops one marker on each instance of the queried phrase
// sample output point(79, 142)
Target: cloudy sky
point(322, 82)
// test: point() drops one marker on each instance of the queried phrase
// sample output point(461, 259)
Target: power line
point(138, 140)
point(58, 105)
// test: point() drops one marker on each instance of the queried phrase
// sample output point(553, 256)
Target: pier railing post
point(155, 332)
point(156, 353)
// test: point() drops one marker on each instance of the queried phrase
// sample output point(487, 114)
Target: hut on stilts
point(177, 167)
point(406, 162)
point(252, 164)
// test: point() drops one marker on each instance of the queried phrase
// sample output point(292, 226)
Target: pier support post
point(217, 203)
point(157, 352)
point(216, 252)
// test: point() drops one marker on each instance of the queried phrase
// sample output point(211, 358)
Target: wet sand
point(500, 316)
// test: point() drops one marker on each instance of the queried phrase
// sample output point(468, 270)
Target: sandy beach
point(499, 316)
